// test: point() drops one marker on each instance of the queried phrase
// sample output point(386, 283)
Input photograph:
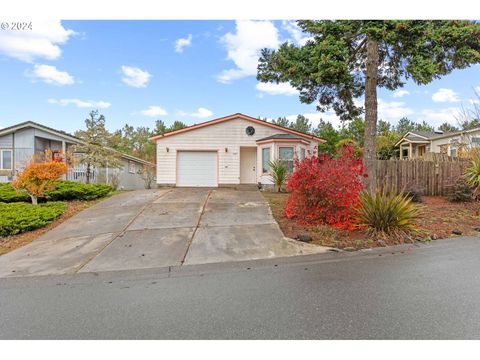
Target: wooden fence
point(427, 177)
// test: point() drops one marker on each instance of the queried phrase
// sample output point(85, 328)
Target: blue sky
point(138, 71)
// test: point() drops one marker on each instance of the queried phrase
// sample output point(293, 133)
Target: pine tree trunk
point(370, 151)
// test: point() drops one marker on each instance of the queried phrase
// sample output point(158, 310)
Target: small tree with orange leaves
point(39, 178)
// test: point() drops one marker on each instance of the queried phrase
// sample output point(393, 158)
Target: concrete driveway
point(158, 228)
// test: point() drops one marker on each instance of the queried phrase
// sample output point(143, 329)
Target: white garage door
point(197, 168)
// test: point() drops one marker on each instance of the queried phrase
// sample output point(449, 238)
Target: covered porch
point(410, 150)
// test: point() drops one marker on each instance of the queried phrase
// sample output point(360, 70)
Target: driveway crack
point(196, 227)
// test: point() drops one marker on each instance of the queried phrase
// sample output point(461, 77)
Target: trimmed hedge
point(8, 194)
point(66, 190)
point(71, 190)
point(19, 217)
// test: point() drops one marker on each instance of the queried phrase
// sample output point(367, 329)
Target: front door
point(248, 165)
point(421, 150)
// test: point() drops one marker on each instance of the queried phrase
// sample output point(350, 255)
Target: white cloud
point(153, 111)
point(392, 111)
point(183, 42)
point(202, 113)
point(445, 95)
point(243, 47)
point(41, 42)
point(51, 75)
point(277, 89)
point(133, 76)
point(401, 93)
point(81, 103)
point(298, 36)
point(436, 117)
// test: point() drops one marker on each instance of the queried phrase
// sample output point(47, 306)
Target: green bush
point(461, 191)
point(8, 194)
point(19, 217)
point(70, 190)
point(65, 190)
point(386, 214)
point(473, 175)
point(279, 173)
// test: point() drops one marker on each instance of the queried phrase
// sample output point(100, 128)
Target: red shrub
point(325, 190)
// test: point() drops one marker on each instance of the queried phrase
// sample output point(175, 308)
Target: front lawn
point(439, 219)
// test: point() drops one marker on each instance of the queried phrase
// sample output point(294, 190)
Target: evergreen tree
point(282, 121)
point(327, 132)
point(405, 125)
point(446, 127)
point(160, 127)
point(383, 127)
point(177, 125)
point(348, 59)
point(424, 127)
point(302, 124)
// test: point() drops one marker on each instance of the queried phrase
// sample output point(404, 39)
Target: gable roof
point(422, 136)
point(26, 124)
point(237, 116)
point(63, 134)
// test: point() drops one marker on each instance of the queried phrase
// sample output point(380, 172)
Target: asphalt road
point(430, 291)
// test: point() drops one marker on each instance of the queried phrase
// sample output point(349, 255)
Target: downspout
point(13, 156)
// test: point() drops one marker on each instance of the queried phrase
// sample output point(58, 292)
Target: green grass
point(16, 218)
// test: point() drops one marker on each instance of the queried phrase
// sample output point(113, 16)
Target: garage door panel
point(197, 168)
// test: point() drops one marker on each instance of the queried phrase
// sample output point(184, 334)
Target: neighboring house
point(231, 150)
point(415, 144)
point(20, 143)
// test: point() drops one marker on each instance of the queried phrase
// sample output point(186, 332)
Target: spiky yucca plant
point(472, 175)
point(386, 214)
point(278, 173)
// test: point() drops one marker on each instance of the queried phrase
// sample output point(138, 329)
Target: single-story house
point(415, 144)
point(228, 151)
point(20, 143)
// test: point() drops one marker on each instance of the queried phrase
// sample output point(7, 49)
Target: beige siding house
point(227, 151)
point(415, 144)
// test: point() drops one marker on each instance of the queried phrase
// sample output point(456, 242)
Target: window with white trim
point(265, 160)
point(285, 153)
point(6, 160)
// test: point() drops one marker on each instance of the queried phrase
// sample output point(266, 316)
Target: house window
point(475, 141)
point(286, 155)
point(5, 159)
point(131, 167)
point(301, 156)
point(453, 152)
point(265, 160)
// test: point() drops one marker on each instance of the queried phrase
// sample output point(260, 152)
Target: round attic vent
point(250, 130)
